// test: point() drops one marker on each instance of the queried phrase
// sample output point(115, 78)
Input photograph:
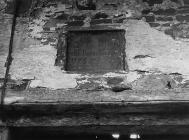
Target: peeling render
point(166, 54)
point(152, 56)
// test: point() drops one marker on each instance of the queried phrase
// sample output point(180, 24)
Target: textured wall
point(156, 48)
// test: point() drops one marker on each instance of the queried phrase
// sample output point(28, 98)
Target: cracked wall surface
point(156, 45)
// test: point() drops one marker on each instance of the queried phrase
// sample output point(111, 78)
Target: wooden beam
point(100, 107)
point(158, 112)
point(123, 124)
point(42, 95)
point(152, 118)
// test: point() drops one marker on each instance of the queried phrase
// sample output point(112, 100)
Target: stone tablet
point(96, 51)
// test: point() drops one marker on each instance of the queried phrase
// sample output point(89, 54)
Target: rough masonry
point(156, 44)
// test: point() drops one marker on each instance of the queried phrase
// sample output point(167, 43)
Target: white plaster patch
point(129, 77)
point(38, 64)
point(114, 74)
point(37, 61)
point(14, 99)
point(166, 54)
point(64, 81)
point(132, 76)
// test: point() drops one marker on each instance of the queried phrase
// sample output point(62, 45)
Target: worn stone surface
point(146, 48)
point(182, 18)
point(35, 50)
point(154, 82)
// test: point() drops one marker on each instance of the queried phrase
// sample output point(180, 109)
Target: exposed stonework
point(2, 5)
point(34, 51)
point(146, 48)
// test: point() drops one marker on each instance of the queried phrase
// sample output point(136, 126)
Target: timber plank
point(90, 114)
point(43, 95)
point(125, 124)
point(103, 108)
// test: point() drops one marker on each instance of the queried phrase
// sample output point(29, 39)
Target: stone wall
point(172, 21)
point(153, 28)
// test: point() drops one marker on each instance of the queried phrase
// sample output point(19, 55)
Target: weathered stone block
point(85, 4)
point(114, 80)
point(150, 18)
point(166, 25)
point(154, 24)
point(165, 12)
point(179, 30)
point(100, 16)
point(182, 18)
point(183, 11)
point(170, 32)
point(63, 17)
point(154, 82)
point(164, 18)
point(78, 17)
point(75, 23)
point(96, 51)
point(101, 21)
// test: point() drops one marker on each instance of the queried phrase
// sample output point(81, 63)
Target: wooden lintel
point(100, 107)
point(99, 112)
point(102, 118)
point(43, 95)
point(143, 124)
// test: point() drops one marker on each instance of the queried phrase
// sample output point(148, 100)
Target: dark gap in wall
point(37, 133)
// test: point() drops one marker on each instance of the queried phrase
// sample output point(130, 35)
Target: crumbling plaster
point(152, 56)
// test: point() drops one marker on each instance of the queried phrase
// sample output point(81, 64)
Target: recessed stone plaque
point(96, 51)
